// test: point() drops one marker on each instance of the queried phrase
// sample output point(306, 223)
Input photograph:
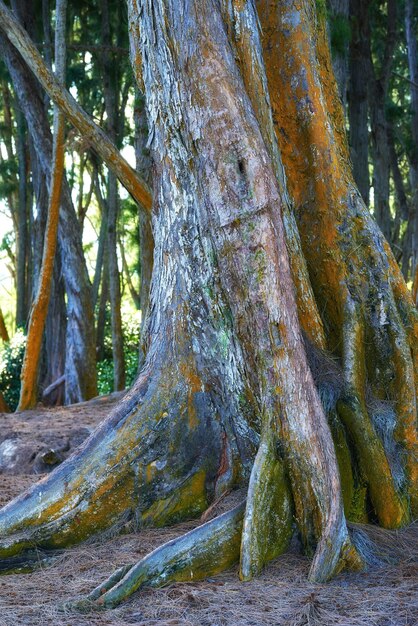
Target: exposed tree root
point(202, 552)
point(155, 460)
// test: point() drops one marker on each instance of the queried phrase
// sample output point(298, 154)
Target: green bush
point(131, 336)
point(11, 358)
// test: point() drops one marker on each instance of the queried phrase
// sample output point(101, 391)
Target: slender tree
point(357, 96)
point(412, 47)
point(39, 310)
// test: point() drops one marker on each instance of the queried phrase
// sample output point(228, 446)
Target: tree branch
point(75, 113)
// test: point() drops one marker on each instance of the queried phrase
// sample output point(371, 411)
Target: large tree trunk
point(226, 392)
point(367, 309)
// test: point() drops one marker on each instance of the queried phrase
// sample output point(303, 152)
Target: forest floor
point(386, 596)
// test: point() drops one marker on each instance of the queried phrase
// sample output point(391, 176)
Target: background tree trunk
point(111, 86)
point(357, 96)
point(39, 309)
point(412, 48)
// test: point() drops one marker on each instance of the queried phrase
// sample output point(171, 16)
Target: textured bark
point(357, 96)
point(146, 239)
point(366, 306)
point(412, 48)
point(80, 353)
point(378, 90)
point(226, 357)
point(22, 228)
point(339, 26)
point(39, 309)
point(111, 85)
point(55, 339)
point(226, 392)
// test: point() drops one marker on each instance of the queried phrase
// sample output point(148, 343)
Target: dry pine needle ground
point(386, 596)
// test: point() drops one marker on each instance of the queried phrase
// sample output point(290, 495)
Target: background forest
point(103, 260)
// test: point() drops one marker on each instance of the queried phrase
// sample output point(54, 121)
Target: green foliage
point(131, 337)
point(340, 34)
point(11, 358)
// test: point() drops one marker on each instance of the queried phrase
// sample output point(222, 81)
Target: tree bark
point(225, 350)
point(358, 98)
point(39, 310)
point(412, 48)
point(339, 26)
point(111, 88)
point(22, 229)
point(378, 90)
point(80, 353)
point(226, 393)
point(371, 322)
point(4, 335)
point(55, 339)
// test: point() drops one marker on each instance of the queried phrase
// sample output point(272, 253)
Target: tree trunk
point(412, 48)
point(55, 339)
point(80, 353)
point(357, 96)
point(22, 232)
point(226, 393)
point(4, 335)
point(146, 239)
point(111, 86)
point(39, 310)
point(378, 90)
point(372, 324)
point(339, 26)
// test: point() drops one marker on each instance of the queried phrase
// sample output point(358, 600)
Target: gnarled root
point(202, 552)
point(155, 460)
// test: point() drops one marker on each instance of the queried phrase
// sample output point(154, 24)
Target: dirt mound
point(34, 442)
point(386, 596)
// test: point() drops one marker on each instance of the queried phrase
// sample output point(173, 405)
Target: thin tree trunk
point(338, 18)
point(22, 233)
point(4, 407)
point(358, 98)
point(98, 270)
point(101, 313)
point(146, 239)
point(55, 339)
point(412, 48)
point(379, 132)
point(4, 335)
point(134, 293)
point(39, 310)
point(110, 88)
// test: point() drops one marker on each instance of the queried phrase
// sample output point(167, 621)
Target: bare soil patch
point(385, 596)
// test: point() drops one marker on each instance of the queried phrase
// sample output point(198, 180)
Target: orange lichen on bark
point(341, 244)
point(39, 310)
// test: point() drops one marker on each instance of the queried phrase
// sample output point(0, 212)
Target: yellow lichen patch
point(187, 501)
